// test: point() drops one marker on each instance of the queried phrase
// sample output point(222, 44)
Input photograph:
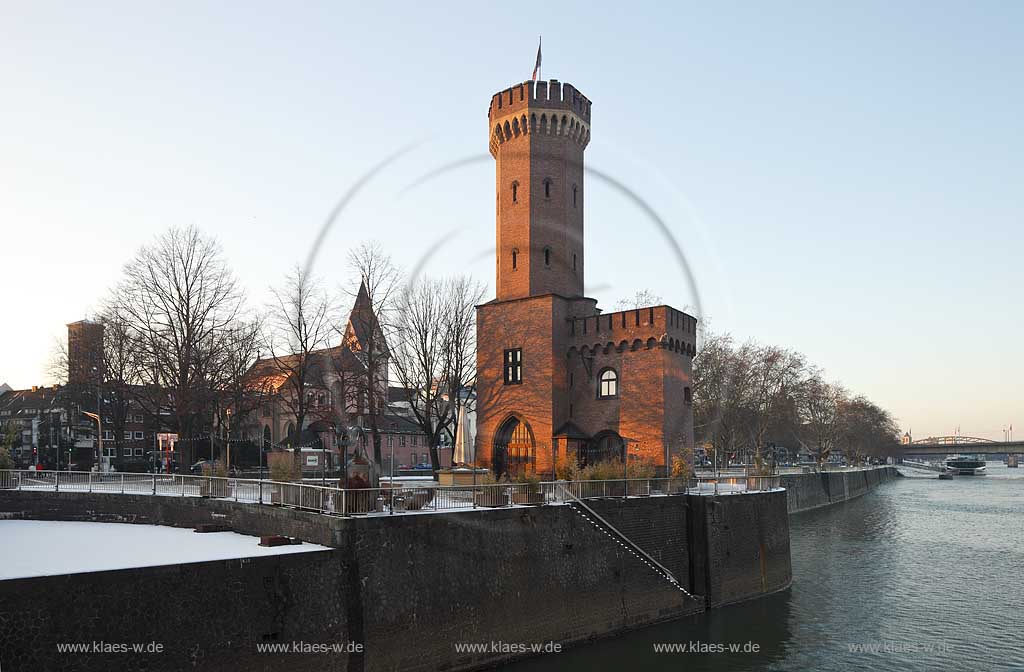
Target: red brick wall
point(543, 145)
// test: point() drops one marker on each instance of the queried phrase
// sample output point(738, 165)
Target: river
point(917, 575)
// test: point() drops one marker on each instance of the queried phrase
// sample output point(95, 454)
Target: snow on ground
point(45, 548)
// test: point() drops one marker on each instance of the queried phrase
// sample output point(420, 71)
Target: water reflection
point(927, 572)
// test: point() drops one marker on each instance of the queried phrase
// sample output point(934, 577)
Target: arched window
point(608, 384)
point(515, 259)
point(547, 188)
point(515, 192)
point(547, 256)
point(687, 395)
point(574, 190)
point(574, 263)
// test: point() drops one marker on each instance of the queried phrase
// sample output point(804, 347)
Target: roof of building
point(273, 372)
point(399, 424)
point(25, 403)
point(570, 430)
point(363, 325)
point(398, 393)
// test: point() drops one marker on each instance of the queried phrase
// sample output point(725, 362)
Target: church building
point(555, 374)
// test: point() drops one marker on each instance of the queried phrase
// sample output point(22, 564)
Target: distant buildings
point(52, 427)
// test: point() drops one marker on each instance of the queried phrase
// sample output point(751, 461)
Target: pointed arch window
point(515, 258)
point(515, 192)
point(547, 256)
point(547, 188)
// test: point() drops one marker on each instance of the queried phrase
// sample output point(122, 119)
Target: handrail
point(646, 556)
point(392, 499)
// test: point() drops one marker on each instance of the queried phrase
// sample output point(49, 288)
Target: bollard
point(154, 484)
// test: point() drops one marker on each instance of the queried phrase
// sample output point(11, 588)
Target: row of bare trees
point(749, 397)
point(180, 343)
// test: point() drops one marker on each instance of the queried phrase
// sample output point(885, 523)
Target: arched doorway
point(267, 440)
point(515, 451)
point(605, 446)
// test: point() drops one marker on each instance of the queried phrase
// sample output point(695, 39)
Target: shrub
point(640, 468)
point(282, 467)
point(6, 461)
point(218, 469)
point(606, 470)
point(682, 464)
point(567, 466)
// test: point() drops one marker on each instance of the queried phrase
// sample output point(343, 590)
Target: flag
point(536, 67)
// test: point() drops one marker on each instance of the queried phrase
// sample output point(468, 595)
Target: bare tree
point(819, 405)
point(775, 374)
point(122, 366)
point(722, 389)
point(462, 295)
point(240, 392)
point(865, 430)
point(641, 299)
point(177, 297)
point(299, 327)
point(377, 286)
point(435, 352)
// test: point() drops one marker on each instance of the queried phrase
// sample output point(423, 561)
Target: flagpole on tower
point(536, 66)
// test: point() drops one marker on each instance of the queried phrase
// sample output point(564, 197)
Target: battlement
point(549, 95)
point(634, 329)
point(547, 108)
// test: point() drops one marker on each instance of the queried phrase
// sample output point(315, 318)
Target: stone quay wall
point(414, 590)
point(814, 490)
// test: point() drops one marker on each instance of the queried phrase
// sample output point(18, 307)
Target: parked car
point(197, 468)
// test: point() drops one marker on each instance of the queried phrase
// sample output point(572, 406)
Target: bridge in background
point(946, 445)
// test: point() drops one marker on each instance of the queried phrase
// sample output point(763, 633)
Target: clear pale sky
point(844, 178)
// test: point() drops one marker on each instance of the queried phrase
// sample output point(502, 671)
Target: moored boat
point(965, 465)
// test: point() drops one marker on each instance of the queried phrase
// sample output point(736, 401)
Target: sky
point(842, 178)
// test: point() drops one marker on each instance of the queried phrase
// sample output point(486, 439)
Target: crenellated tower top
point(538, 133)
point(550, 107)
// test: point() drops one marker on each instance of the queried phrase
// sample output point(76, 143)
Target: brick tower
point(85, 353)
point(554, 374)
point(539, 133)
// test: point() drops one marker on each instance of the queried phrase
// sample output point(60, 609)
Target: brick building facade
point(556, 375)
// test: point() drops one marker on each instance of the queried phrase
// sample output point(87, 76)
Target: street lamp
point(99, 431)
point(99, 410)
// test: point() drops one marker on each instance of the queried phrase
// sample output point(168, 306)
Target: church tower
point(538, 133)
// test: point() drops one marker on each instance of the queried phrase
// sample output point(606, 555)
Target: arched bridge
point(944, 445)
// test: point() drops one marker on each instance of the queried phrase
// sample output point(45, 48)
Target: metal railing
point(389, 499)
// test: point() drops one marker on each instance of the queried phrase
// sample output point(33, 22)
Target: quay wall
point(408, 588)
point(814, 490)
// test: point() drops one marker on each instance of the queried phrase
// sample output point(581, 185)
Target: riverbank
point(921, 575)
point(815, 490)
point(415, 592)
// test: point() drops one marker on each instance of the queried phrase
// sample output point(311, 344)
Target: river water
point(917, 575)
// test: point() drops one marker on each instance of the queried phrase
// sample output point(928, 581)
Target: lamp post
point(99, 430)
point(99, 412)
